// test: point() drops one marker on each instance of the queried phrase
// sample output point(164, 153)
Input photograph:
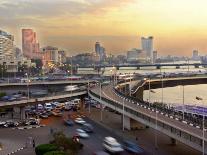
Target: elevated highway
point(162, 122)
point(36, 83)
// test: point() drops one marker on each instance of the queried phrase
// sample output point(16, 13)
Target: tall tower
point(30, 46)
point(97, 48)
point(147, 46)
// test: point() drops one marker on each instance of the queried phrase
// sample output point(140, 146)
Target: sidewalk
point(146, 137)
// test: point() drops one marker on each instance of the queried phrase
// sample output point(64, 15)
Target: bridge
point(158, 66)
point(36, 83)
point(20, 105)
point(162, 121)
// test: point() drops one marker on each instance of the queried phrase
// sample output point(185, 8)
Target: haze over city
point(178, 26)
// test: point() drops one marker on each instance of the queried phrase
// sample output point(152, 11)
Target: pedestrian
point(136, 138)
point(33, 143)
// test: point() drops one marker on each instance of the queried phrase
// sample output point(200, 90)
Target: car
point(2, 124)
point(32, 121)
point(48, 106)
point(11, 123)
point(81, 133)
point(69, 122)
point(80, 121)
point(54, 104)
point(100, 153)
point(40, 107)
point(43, 115)
point(57, 113)
point(111, 145)
point(88, 128)
point(132, 147)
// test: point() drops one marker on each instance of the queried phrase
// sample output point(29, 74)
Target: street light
point(183, 103)
point(203, 124)
point(123, 116)
point(100, 101)
point(89, 106)
point(27, 85)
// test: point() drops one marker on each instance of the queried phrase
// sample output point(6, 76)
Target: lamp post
point(123, 115)
point(203, 124)
point(27, 85)
point(149, 91)
point(130, 86)
point(100, 93)
point(89, 106)
point(183, 103)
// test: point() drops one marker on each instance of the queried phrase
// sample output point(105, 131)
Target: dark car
point(43, 115)
point(11, 124)
point(132, 147)
point(69, 122)
point(88, 128)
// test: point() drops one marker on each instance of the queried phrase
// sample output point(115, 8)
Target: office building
point(6, 46)
point(195, 55)
point(97, 48)
point(50, 54)
point(147, 47)
point(30, 45)
point(154, 56)
point(136, 55)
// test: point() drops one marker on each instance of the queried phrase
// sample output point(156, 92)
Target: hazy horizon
point(178, 27)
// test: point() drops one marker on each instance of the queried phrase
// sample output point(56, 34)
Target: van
point(70, 104)
point(40, 107)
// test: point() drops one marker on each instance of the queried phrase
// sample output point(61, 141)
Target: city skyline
point(75, 25)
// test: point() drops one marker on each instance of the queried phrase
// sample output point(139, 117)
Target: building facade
point(154, 56)
point(195, 55)
point(6, 46)
point(30, 45)
point(147, 46)
point(136, 55)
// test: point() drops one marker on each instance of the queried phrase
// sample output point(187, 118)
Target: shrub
point(44, 148)
point(66, 144)
point(2, 94)
point(55, 153)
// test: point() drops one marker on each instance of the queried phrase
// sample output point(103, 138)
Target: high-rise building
point(102, 53)
point(30, 45)
point(147, 47)
point(6, 46)
point(154, 56)
point(97, 48)
point(195, 55)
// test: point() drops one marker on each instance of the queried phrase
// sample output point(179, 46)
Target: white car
point(81, 133)
point(48, 106)
point(80, 121)
point(111, 145)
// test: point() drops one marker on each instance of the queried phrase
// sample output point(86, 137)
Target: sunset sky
point(178, 26)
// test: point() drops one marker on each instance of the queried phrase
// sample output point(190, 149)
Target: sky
point(178, 26)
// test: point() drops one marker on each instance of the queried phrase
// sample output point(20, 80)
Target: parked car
point(11, 123)
point(48, 106)
point(2, 124)
point(57, 113)
point(81, 133)
point(111, 145)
